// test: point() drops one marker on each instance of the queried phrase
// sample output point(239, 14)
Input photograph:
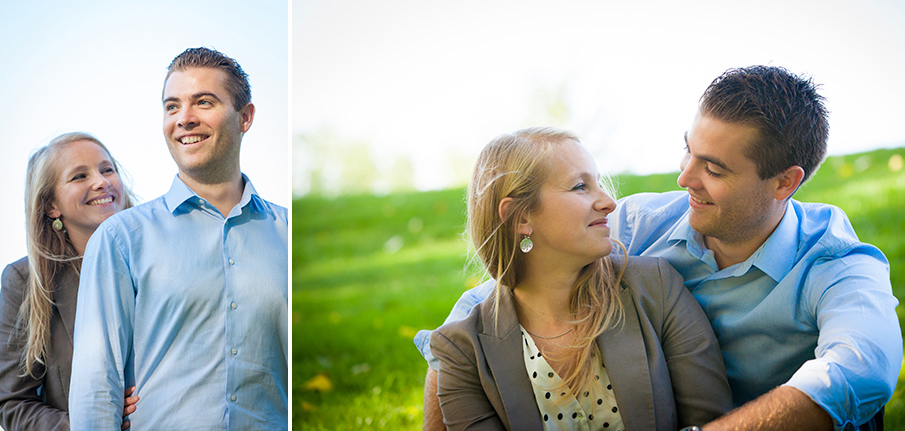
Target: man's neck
point(222, 195)
point(728, 253)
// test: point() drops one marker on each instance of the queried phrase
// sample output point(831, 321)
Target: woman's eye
point(78, 177)
point(580, 186)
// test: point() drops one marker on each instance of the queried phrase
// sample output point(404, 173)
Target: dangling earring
point(526, 245)
point(57, 224)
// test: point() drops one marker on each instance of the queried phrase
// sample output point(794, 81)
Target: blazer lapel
point(505, 357)
point(626, 364)
point(65, 295)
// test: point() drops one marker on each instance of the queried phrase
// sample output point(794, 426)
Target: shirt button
point(235, 351)
point(232, 262)
point(233, 305)
point(201, 201)
point(233, 397)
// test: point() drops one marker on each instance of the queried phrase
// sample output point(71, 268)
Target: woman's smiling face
point(87, 191)
point(570, 224)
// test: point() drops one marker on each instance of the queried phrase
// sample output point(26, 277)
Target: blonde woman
point(574, 337)
point(72, 185)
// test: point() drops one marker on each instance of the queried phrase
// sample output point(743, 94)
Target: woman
point(573, 338)
point(72, 185)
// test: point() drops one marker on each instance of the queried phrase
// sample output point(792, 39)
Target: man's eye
point(711, 173)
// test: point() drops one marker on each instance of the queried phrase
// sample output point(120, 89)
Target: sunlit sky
point(431, 81)
point(435, 81)
point(98, 67)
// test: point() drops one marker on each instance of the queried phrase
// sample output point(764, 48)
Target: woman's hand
point(128, 406)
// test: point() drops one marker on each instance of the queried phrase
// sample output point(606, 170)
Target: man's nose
point(187, 118)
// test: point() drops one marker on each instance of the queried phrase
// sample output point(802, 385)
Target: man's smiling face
point(729, 201)
point(202, 128)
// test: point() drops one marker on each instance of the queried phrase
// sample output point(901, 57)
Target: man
point(803, 311)
point(186, 296)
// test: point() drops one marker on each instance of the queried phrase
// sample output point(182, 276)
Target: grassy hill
point(369, 271)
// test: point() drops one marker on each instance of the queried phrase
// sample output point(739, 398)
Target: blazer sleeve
point(464, 403)
point(21, 408)
point(692, 354)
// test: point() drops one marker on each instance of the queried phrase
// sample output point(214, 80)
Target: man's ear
point(247, 115)
point(52, 211)
point(523, 225)
point(787, 182)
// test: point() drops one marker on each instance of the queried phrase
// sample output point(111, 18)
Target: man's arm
point(102, 341)
point(858, 354)
point(783, 408)
point(433, 417)
point(460, 310)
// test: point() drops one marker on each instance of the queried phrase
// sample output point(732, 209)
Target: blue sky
point(431, 81)
point(98, 67)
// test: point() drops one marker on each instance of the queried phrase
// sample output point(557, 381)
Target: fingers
point(124, 426)
point(130, 391)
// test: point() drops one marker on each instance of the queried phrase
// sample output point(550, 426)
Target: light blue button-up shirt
point(812, 308)
point(192, 308)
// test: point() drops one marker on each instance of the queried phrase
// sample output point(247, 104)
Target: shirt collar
point(684, 232)
point(772, 257)
point(777, 254)
point(180, 194)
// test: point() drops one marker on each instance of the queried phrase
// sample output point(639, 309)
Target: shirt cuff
point(826, 385)
point(423, 343)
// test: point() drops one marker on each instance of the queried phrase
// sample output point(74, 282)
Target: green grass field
point(369, 271)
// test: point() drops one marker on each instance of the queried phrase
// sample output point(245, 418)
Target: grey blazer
point(663, 361)
point(22, 406)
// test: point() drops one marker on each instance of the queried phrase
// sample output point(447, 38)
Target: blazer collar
point(623, 354)
point(504, 354)
point(626, 362)
point(65, 294)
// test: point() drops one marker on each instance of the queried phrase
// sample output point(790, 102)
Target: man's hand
point(783, 408)
point(433, 417)
point(128, 406)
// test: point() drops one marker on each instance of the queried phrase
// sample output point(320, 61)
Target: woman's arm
point(21, 408)
point(464, 403)
point(692, 353)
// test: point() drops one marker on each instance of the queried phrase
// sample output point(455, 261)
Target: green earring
point(526, 245)
point(57, 224)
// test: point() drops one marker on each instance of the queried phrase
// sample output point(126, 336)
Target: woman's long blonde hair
point(49, 250)
point(516, 165)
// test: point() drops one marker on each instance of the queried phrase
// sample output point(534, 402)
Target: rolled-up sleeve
point(859, 349)
point(471, 298)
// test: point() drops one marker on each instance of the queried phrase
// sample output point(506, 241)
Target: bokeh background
point(393, 100)
point(98, 66)
point(404, 93)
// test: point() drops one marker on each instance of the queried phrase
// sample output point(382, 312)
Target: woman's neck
point(542, 298)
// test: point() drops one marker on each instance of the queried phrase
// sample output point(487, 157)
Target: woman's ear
point(51, 211)
point(523, 225)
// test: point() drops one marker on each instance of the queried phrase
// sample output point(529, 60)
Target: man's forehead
point(727, 143)
point(195, 80)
